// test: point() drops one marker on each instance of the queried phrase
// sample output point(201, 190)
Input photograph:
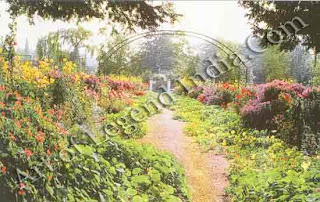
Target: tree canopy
point(270, 15)
point(130, 14)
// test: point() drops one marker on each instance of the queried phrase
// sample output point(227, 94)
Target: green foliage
point(276, 64)
point(53, 146)
point(269, 15)
point(262, 167)
point(235, 73)
point(128, 14)
point(51, 46)
point(56, 165)
point(117, 63)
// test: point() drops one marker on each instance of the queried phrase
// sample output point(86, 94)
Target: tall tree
point(50, 47)
point(285, 17)
point(158, 53)
point(76, 38)
point(116, 63)
point(291, 23)
point(276, 64)
point(130, 14)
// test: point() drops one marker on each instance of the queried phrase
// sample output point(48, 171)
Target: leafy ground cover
point(262, 167)
point(49, 118)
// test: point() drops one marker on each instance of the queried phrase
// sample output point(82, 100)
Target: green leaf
point(137, 198)
point(131, 192)
point(136, 171)
point(49, 189)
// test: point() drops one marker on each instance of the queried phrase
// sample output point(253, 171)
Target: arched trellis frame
point(228, 51)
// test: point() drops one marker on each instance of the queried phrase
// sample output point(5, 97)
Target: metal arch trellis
point(206, 38)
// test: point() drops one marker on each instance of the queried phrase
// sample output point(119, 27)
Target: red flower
point(28, 151)
point(20, 192)
point(12, 137)
point(3, 170)
point(51, 111)
point(201, 97)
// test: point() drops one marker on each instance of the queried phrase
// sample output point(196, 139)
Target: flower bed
point(291, 110)
point(47, 123)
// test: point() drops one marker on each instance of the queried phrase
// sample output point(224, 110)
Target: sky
point(217, 19)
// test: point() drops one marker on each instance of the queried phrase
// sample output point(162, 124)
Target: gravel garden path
point(205, 171)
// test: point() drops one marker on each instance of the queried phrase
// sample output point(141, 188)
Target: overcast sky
point(217, 19)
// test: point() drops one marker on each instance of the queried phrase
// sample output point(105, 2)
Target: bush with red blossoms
point(271, 91)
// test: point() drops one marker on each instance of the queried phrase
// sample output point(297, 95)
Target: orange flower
point(29, 99)
point(18, 103)
point(2, 105)
point(20, 192)
point(48, 152)
point(18, 124)
point(40, 137)
point(3, 170)
point(28, 151)
point(287, 97)
point(12, 137)
point(49, 177)
point(55, 146)
point(30, 133)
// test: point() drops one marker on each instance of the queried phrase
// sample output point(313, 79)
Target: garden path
point(205, 171)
